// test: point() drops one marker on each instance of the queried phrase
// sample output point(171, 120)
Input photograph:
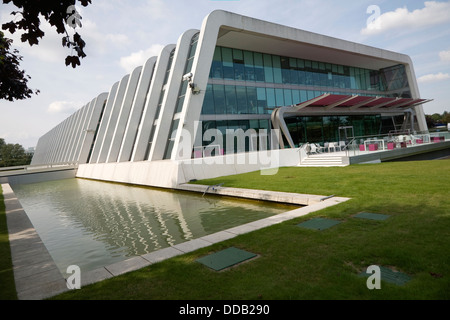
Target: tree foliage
point(13, 155)
point(437, 119)
point(13, 80)
point(60, 14)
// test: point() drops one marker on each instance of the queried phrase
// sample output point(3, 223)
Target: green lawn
point(297, 263)
point(7, 286)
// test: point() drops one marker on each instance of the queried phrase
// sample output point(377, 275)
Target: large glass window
point(241, 97)
point(219, 99)
point(259, 67)
point(268, 70)
point(249, 66)
point(208, 102)
point(262, 100)
point(216, 66)
point(238, 63)
point(230, 98)
point(227, 60)
point(330, 128)
point(252, 102)
point(279, 97)
point(314, 129)
point(271, 102)
point(277, 76)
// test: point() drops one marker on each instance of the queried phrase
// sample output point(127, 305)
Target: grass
point(298, 263)
point(7, 285)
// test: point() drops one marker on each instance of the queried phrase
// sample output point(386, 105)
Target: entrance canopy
point(328, 103)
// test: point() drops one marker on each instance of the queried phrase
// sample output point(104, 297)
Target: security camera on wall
point(187, 76)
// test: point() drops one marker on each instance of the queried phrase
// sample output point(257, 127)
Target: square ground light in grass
point(372, 216)
point(319, 223)
point(388, 275)
point(225, 258)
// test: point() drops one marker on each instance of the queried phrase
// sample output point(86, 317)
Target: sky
point(122, 35)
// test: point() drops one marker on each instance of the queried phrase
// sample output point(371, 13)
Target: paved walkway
point(37, 276)
point(35, 272)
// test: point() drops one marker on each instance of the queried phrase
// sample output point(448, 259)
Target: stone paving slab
point(163, 254)
point(94, 276)
point(218, 236)
point(128, 265)
point(35, 273)
point(192, 245)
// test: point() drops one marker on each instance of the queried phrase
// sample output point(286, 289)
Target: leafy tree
point(13, 81)
point(58, 13)
point(446, 117)
point(429, 120)
point(61, 13)
point(13, 155)
point(437, 119)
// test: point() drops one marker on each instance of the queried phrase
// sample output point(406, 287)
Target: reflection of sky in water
point(93, 224)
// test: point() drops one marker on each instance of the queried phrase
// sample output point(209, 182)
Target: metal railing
point(381, 142)
point(38, 167)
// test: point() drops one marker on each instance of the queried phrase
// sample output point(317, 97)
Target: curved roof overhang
point(327, 104)
point(355, 104)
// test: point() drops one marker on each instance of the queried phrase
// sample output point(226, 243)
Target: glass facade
point(251, 83)
point(240, 65)
point(321, 129)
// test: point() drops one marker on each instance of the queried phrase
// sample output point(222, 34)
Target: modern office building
point(236, 72)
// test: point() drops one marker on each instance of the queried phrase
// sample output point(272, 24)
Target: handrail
point(212, 186)
point(302, 152)
point(39, 167)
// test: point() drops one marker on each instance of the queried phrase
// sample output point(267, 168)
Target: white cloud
point(433, 77)
point(444, 55)
point(63, 107)
point(97, 42)
point(401, 18)
point(138, 58)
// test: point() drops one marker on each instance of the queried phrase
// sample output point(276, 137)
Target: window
point(259, 67)
point(287, 97)
point(208, 102)
point(252, 100)
point(277, 76)
point(241, 95)
point(294, 72)
point(216, 66)
point(219, 99)
point(238, 63)
point(249, 66)
point(295, 96)
point(268, 72)
point(230, 98)
point(270, 93)
point(279, 97)
point(262, 101)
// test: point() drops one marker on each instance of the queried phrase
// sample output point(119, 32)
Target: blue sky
point(121, 35)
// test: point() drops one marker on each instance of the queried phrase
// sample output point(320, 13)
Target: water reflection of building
point(135, 220)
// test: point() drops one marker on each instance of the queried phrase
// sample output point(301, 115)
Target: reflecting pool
point(93, 224)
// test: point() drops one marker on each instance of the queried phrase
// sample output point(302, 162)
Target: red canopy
point(330, 101)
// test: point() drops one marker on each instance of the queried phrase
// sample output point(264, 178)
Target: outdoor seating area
point(367, 144)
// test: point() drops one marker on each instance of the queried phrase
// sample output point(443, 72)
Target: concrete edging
point(35, 273)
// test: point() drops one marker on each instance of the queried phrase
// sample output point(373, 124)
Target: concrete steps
point(324, 161)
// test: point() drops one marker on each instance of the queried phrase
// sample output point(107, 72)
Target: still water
point(93, 224)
